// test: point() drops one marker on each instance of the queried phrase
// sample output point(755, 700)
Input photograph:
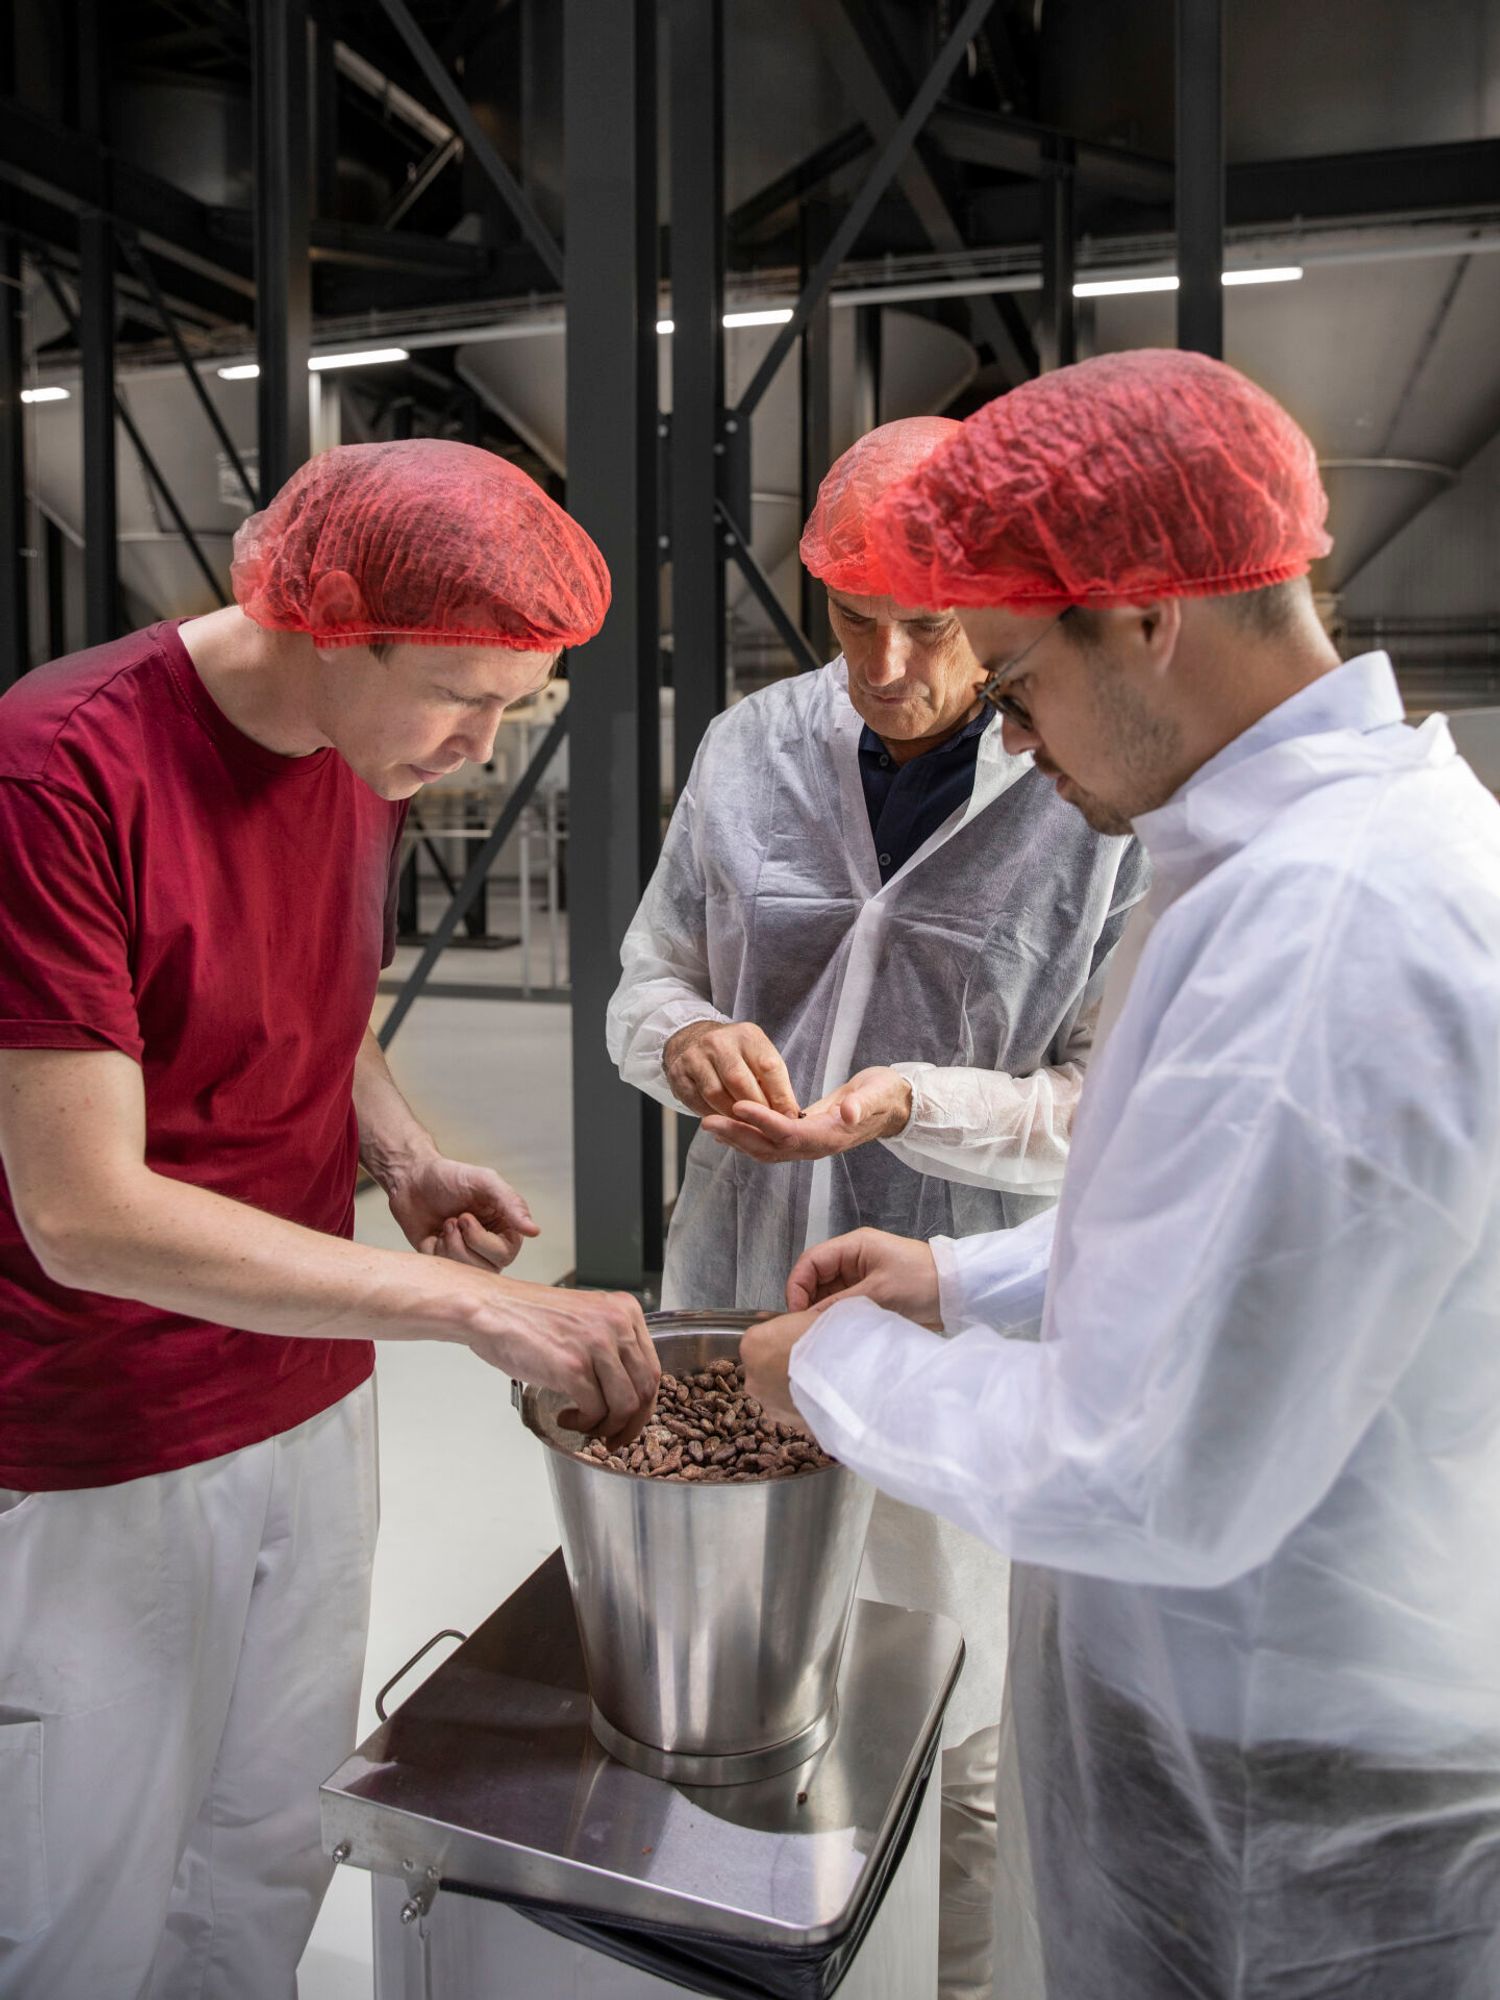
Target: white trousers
point(180, 1662)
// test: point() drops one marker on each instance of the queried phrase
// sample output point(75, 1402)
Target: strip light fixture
point(1107, 288)
point(53, 395)
point(367, 357)
point(770, 316)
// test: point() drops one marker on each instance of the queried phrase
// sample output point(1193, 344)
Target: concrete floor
point(465, 1510)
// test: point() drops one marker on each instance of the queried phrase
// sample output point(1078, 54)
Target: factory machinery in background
point(233, 231)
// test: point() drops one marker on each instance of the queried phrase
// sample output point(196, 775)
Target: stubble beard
point(1146, 749)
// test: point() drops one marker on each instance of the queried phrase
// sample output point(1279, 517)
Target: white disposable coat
point(975, 969)
point(1255, 1456)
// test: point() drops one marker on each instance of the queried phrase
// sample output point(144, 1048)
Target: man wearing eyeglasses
point(869, 961)
point(1248, 1472)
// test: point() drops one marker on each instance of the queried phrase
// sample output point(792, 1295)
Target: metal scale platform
point(487, 1786)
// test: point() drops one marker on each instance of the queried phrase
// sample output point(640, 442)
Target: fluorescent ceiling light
point(1106, 288)
point(247, 371)
point(44, 395)
point(366, 357)
point(772, 316)
point(1109, 288)
point(1268, 274)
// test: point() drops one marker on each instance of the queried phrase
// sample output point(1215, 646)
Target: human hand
point(710, 1065)
point(592, 1346)
point(893, 1271)
point(876, 1104)
point(449, 1209)
point(766, 1351)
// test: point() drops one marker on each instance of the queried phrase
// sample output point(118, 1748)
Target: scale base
point(740, 1767)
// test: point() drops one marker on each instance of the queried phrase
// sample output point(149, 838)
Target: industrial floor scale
point(513, 1859)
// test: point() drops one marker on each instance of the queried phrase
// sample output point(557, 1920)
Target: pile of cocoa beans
point(706, 1429)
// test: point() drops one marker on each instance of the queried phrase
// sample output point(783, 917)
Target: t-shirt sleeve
point(65, 976)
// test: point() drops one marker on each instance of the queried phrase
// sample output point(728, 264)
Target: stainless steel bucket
point(712, 1617)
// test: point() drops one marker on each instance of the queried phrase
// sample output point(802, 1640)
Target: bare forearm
point(391, 1136)
point(188, 1251)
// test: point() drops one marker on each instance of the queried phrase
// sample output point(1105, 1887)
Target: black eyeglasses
point(1008, 705)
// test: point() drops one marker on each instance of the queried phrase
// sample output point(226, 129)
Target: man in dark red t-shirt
point(199, 828)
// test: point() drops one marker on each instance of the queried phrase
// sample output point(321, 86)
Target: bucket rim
point(689, 1319)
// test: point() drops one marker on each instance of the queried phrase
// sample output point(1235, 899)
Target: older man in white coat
point(867, 912)
point(1251, 1470)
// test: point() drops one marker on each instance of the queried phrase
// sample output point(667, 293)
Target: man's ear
point(336, 603)
point(1159, 626)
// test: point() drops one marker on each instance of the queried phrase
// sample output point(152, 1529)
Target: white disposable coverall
point(975, 971)
point(1252, 1467)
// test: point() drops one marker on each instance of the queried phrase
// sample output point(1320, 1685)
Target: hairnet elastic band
point(386, 637)
point(1208, 586)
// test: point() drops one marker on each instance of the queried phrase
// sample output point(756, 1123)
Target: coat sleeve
point(1262, 1248)
point(987, 1129)
point(998, 1280)
point(664, 981)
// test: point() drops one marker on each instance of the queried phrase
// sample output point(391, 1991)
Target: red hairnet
point(835, 547)
point(1135, 476)
point(423, 540)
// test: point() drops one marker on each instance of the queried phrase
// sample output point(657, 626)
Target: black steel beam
point(1021, 146)
point(815, 410)
point(476, 141)
point(1057, 336)
point(1400, 181)
point(868, 367)
point(55, 553)
point(283, 305)
point(475, 878)
point(374, 246)
point(142, 268)
point(609, 64)
point(790, 635)
point(15, 623)
point(96, 339)
point(149, 467)
point(873, 96)
point(775, 205)
point(888, 160)
point(699, 636)
point(1200, 175)
point(81, 175)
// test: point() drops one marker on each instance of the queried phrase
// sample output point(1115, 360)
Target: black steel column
point(55, 550)
point(1057, 336)
point(614, 781)
point(283, 279)
point(1200, 175)
point(699, 638)
point(867, 368)
point(96, 338)
point(815, 387)
point(15, 624)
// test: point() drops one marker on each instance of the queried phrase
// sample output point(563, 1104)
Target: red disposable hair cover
point(424, 540)
point(1135, 476)
point(835, 547)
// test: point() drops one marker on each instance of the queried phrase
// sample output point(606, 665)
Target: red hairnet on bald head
point(835, 547)
point(423, 540)
point(1127, 478)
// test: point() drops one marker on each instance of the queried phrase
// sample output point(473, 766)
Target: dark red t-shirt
point(220, 914)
